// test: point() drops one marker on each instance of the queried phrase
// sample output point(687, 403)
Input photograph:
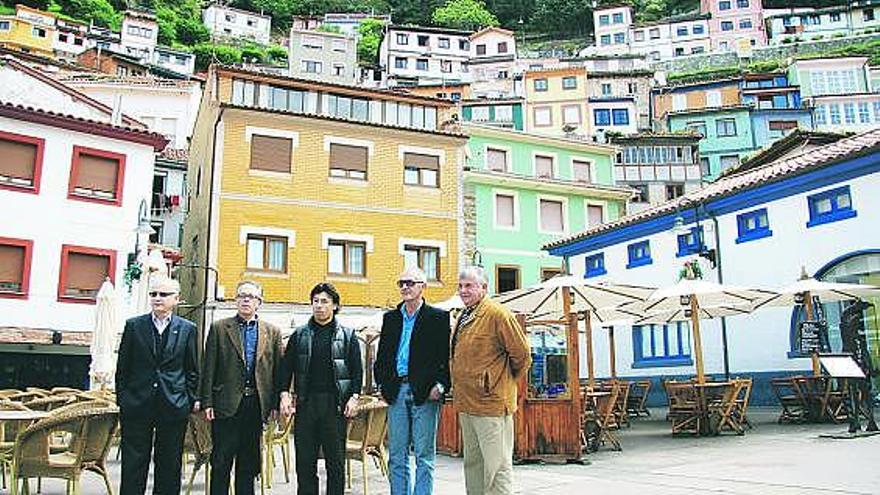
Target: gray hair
point(256, 285)
point(416, 273)
point(474, 272)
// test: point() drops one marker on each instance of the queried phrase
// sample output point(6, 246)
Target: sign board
point(841, 367)
point(810, 332)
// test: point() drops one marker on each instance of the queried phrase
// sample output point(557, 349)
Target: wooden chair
point(25, 397)
point(684, 407)
point(600, 425)
point(636, 403)
point(726, 407)
point(790, 399)
point(277, 434)
point(620, 407)
point(7, 438)
point(742, 401)
point(32, 459)
point(197, 445)
point(368, 441)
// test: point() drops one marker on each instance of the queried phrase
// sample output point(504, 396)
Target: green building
point(496, 112)
point(726, 131)
point(522, 191)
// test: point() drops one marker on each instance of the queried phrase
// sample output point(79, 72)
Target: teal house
point(497, 112)
point(522, 191)
point(727, 135)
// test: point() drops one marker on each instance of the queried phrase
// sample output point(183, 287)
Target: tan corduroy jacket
point(490, 354)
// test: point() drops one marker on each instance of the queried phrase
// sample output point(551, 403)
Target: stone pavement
point(771, 459)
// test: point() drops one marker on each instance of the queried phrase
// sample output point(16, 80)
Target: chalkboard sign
point(810, 332)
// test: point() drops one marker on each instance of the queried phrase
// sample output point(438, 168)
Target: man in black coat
point(156, 385)
point(412, 371)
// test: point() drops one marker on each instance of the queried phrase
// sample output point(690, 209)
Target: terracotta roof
point(74, 123)
point(23, 335)
point(813, 159)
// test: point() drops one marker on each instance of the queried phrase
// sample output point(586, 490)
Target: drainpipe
point(720, 274)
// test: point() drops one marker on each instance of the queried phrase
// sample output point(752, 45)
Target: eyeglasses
point(247, 297)
point(407, 283)
point(161, 294)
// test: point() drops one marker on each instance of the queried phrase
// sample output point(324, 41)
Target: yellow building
point(556, 101)
point(297, 182)
point(29, 30)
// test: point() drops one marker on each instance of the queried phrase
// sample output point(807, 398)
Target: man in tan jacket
point(489, 353)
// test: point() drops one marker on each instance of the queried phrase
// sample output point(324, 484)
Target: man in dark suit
point(156, 388)
point(242, 354)
point(412, 370)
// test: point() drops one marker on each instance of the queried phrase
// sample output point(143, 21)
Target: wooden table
point(706, 394)
point(821, 402)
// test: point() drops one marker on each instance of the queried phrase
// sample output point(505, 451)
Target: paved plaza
point(770, 459)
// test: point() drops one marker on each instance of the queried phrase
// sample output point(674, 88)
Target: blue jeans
point(409, 424)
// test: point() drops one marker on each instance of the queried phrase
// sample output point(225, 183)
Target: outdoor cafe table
point(819, 399)
point(707, 393)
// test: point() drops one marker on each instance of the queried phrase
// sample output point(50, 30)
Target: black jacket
point(173, 374)
point(428, 353)
point(345, 350)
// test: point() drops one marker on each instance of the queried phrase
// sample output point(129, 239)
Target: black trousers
point(319, 425)
point(158, 431)
point(237, 439)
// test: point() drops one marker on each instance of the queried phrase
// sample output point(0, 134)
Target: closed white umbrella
point(103, 346)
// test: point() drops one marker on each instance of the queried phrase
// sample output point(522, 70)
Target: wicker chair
point(277, 435)
point(7, 438)
point(366, 438)
point(95, 428)
point(49, 403)
point(197, 444)
point(25, 397)
point(65, 391)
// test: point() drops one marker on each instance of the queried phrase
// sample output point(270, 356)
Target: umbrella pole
point(612, 358)
point(698, 342)
point(588, 335)
point(811, 314)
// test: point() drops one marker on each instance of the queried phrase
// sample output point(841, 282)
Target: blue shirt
point(405, 338)
point(248, 331)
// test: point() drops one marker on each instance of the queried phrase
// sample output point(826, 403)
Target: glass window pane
point(295, 102)
point(418, 117)
point(429, 177)
point(334, 254)
point(276, 255)
point(360, 110)
point(390, 113)
point(646, 341)
point(430, 268)
point(255, 253)
point(672, 336)
point(356, 259)
point(410, 258)
point(430, 118)
point(659, 344)
point(410, 176)
point(843, 201)
point(403, 114)
point(685, 339)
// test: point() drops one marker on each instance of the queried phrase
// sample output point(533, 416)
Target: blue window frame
point(662, 345)
point(780, 101)
point(605, 39)
point(690, 243)
point(595, 265)
point(727, 25)
point(639, 254)
point(830, 206)
point(620, 116)
point(724, 5)
point(753, 225)
point(682, 31)
point(619, 38)
point(602, 116)
point(617, 17)
point(697, 29)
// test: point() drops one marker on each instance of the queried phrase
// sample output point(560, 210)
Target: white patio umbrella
point(103, 346)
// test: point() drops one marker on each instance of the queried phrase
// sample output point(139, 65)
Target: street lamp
point(143, 229)
point(523, 34)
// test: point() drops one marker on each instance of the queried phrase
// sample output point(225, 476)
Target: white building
point(676, 36)
point(139, 35)
point(413, 55)
point(611, 28)
point(174, 60)
point(323, 56)
point(71, 38)
point(229, 22)
point(493, 63)
point(349, 22)
point(839, 90)
point(815, 209)
point(808, 23)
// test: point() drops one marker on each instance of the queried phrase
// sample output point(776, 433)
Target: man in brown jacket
point(242, 355)
point(489, 353)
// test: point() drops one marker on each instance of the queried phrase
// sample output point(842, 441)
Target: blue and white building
point(815, 208)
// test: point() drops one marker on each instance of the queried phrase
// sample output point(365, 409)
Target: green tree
point(370, 35)
point(547, 19)
point(464, 14)
point(101, 12)
point(329, 28)
point(167, 20)
point(191, 31)
point(276, 54)
point(208, 53)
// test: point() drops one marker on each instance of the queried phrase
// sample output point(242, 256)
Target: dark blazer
point(141, 373)
point(223, 372)
point(428, 353)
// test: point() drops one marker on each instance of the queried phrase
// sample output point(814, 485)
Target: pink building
point(735, 24)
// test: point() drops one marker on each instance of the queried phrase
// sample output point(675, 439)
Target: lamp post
point(713, 255)
point(143, 230)
point(522, 31)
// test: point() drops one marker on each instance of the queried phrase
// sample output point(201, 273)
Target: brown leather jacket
point(490, 354)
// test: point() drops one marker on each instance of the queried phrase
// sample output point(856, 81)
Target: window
point(727, 25)
point(830, 206)
point(61, 37)
point(446, 66)
point(604, 20)
point(691, 242)
point(548, 273)
point(313, 42)
point(877, 111)
point(502, 47)
point(552, 214)
point(639, 36)
point(654, 33)
point(725, 127)
point(679, 51)
point(705, 167)
point(543, 116)
point(83, 270)
point(271, 154)
point(752, 225)
point(481, 49)
point(15, 267)
point(639, 254)
point(312, 67)
point(402, 39)
point(641, 193)
point(742, 4)
point(745, 23)
point(496, 160)
point(337, 45)
point(698, 29)
point(605, 39)
point(602, 116)
point(619, 38)
point(835, 17)
point(421, 170)
point(821, 115)
point(544, 166)
point(729, 161)
point(506, 278)
point(661, 345)
point(620, 116)
point(421, 64)
point(347, 108)
point(595, 215)
point(606, 89)
point(569, 82)
point(479, 113)
point(679, 102)
point(464, 45)
point(267, 253)
point(674, 191)
point(581, 172)
point(504, 113)
point(338, 70)
point(868, 14)
point(426, 258)
point(443, 42)
point(422, 40)
point(571, 114)
point(835, 113)
point(505, 211)
point(346, 258)
point(681, 31)
point(22, 162)
point(96, 175)
point(617, 17)
point(540, 85)
point(849, 113)
point(348, 161)
point(632, 88)
point(724, 5)
point(864, 112)
point(595, 265)
point(400, 62)
point(5, 26)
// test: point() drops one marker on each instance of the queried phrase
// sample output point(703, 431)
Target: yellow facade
point(30, 30)
point(696, 97)
point(310, 207)
point(557, 97)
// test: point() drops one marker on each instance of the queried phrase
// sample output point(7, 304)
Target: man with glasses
point(323, 361)
point(157, 381)
point(242, 355)
point(412, 371)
